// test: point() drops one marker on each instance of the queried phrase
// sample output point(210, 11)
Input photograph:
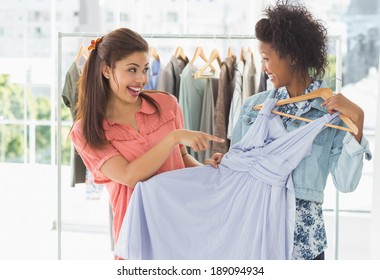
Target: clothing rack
point(62, 35)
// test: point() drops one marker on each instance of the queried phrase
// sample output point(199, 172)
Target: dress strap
point(268, 106)
point(331, 118)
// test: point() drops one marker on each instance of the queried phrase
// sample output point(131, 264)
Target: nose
point(263, 67)
point(142, 77)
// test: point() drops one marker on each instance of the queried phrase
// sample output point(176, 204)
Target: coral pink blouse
point(126, 141)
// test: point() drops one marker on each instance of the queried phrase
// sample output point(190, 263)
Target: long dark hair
point(94, 88)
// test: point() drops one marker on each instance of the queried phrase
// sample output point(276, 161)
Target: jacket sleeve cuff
point(354, 148)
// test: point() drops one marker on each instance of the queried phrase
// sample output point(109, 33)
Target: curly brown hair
point(295, 34)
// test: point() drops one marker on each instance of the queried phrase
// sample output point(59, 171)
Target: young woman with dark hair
point(293, 49)
point(123, 133)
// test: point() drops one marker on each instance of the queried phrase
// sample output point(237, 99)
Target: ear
point(292, 61)
point(106, 71)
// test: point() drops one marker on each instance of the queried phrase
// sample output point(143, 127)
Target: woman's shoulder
point(77, 127)
point(159, 94)
point(162, 98)
point(256, 99)
point(76, 133)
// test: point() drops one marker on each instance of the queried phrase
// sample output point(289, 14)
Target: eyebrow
point(135, 64)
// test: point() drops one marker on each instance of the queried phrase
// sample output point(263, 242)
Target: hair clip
point(94, 44)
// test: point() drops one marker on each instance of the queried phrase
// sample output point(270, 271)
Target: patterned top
point(310, 238)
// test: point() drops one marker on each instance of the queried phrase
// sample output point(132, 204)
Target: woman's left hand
point(342, 104)
point(214, 160)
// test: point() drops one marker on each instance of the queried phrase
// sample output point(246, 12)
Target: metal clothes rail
point(62, 35)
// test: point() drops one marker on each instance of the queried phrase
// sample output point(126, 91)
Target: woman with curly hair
point(293, 48)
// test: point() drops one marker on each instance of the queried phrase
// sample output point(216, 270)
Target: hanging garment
point(153, 74)
point(70, 97)
point(245, 209)
point(207, 116)
point(191, 93)
point(249, 74)
point(263, 82)
point(223, 103)
point(237, 99)
point(169, 77)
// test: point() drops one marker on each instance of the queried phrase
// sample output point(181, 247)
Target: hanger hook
point(334, 79)
point(151, 39)
point(81, 36)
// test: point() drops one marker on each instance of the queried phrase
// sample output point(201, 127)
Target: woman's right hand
point(197, 140)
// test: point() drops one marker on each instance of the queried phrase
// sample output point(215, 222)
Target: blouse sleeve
point(179, 122)
point(92, 158)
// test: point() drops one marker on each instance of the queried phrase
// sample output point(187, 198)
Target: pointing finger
point(216, 139)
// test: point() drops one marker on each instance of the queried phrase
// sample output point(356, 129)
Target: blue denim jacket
point(333, 150)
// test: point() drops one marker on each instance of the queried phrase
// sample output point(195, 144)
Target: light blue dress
point(245, 209)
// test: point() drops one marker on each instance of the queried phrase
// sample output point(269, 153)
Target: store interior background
point(29, 97)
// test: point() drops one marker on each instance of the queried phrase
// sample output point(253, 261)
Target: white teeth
point(135, 89)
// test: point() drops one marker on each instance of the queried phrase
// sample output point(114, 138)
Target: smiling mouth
point(134, 91)
point(270, 76)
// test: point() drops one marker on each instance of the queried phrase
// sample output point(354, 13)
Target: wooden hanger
point(82, 52)
point(200, 53)
point(214, 55)
point(242, 54)
point(153, 53)
point(179, 53)
point(323, 93)
point(250, 54)
point(230, 53)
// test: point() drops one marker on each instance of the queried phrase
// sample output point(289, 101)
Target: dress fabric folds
point(245, 209)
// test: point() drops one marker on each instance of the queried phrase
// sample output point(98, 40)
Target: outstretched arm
point(128, 173)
